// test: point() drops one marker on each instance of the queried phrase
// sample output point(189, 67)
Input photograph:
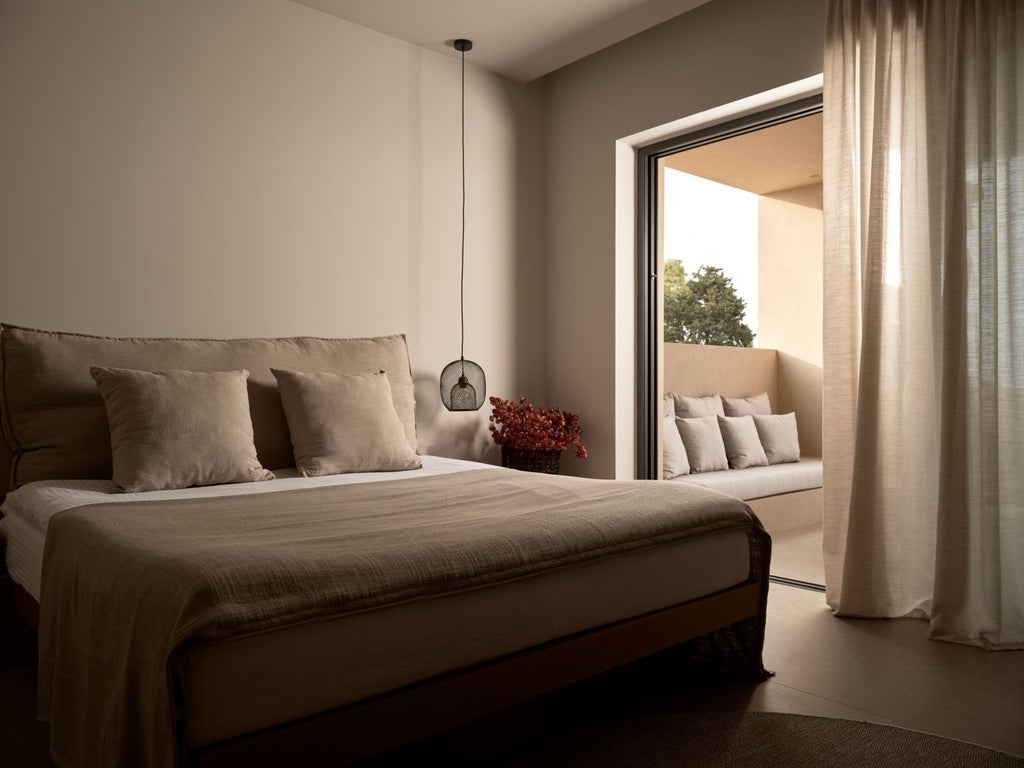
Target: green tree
point(677, 295)
point(704, 309)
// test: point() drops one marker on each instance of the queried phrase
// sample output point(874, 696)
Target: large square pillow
point(342, 423)
point(673, 455)
point(175, 429)
point(742, 445)
point(778, 437)
point(696, 407)
point(742, 406)
point(703, 440)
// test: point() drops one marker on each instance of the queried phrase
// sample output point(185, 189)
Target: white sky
point(707, 223)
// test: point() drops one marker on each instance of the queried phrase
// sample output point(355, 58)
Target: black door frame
point(648, 353)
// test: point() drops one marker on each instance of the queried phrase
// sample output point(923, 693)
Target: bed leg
point(732, 652)
point(737, 650)
point(18, 644)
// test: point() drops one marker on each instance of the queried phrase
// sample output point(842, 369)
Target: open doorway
point(738, 208)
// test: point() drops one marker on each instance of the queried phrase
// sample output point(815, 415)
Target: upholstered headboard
point(5, 468)
point(55, 425)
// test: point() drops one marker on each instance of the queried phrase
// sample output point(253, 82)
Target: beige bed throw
point(125, 584)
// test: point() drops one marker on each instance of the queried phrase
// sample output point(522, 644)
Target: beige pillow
point(741, 406)
point(696, 407)
point(778, 437)
point(343, 423)
point(668, 406)
point(673, 455)
point(703, 440)
point(742, 445)
point(175, 429)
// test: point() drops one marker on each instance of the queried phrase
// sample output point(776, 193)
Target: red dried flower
point(520, 425)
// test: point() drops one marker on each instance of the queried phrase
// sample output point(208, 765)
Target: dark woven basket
point(530, 461)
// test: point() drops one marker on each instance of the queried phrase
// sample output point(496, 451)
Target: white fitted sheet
point(24, 544)
point(242, 684)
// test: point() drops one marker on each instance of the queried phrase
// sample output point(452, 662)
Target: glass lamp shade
point(463, 386)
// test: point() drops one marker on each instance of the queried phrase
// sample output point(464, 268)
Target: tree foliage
point(704, 309)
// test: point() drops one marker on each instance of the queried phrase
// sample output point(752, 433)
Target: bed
point(322, 619)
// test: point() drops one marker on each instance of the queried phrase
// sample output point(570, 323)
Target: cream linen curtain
point(924, 314)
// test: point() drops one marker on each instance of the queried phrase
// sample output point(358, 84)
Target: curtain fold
point(924, 321)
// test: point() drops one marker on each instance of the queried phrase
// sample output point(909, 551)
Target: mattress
point(758, 482)
point(319, 665)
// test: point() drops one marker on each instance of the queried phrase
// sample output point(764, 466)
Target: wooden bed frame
point(388, 721)
point(735, 616)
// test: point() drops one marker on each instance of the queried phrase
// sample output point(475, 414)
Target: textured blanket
point(125, 584)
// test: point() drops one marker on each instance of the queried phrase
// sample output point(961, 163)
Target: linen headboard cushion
point(55, 425)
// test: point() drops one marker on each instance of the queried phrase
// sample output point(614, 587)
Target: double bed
point(322, 619)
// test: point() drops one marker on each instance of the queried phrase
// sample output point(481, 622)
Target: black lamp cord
point(462, 268)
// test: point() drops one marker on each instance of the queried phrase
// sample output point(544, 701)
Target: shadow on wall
point(800, 390)
point(452, 435)
point(528, 333)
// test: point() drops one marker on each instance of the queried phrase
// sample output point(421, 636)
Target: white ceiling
point(520, 39)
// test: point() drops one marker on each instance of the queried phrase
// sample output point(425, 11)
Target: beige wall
point(790, 302)
point(698, 370)
point(720, 52)
point(789, 246)
point(254, 167)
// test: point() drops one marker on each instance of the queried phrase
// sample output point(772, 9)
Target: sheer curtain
point(924, 315)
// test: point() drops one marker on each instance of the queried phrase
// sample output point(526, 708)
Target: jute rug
point(703, 740)
point(590, 729)
point(648, 715)
point(741, 739)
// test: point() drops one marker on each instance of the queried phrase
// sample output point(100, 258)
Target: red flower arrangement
point(520, 425)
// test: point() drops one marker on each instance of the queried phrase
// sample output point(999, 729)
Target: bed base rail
point(362, 730)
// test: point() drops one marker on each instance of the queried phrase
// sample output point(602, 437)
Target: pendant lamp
point(463, 384)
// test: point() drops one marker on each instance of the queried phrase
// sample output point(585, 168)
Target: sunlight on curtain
point(924, 321)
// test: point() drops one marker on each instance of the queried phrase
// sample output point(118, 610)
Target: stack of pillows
point(166, 413)
point(708, 434)
point(177, 428)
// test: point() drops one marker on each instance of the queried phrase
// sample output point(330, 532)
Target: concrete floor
point(881, 670)
point(796, 554)
point(885, 671)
